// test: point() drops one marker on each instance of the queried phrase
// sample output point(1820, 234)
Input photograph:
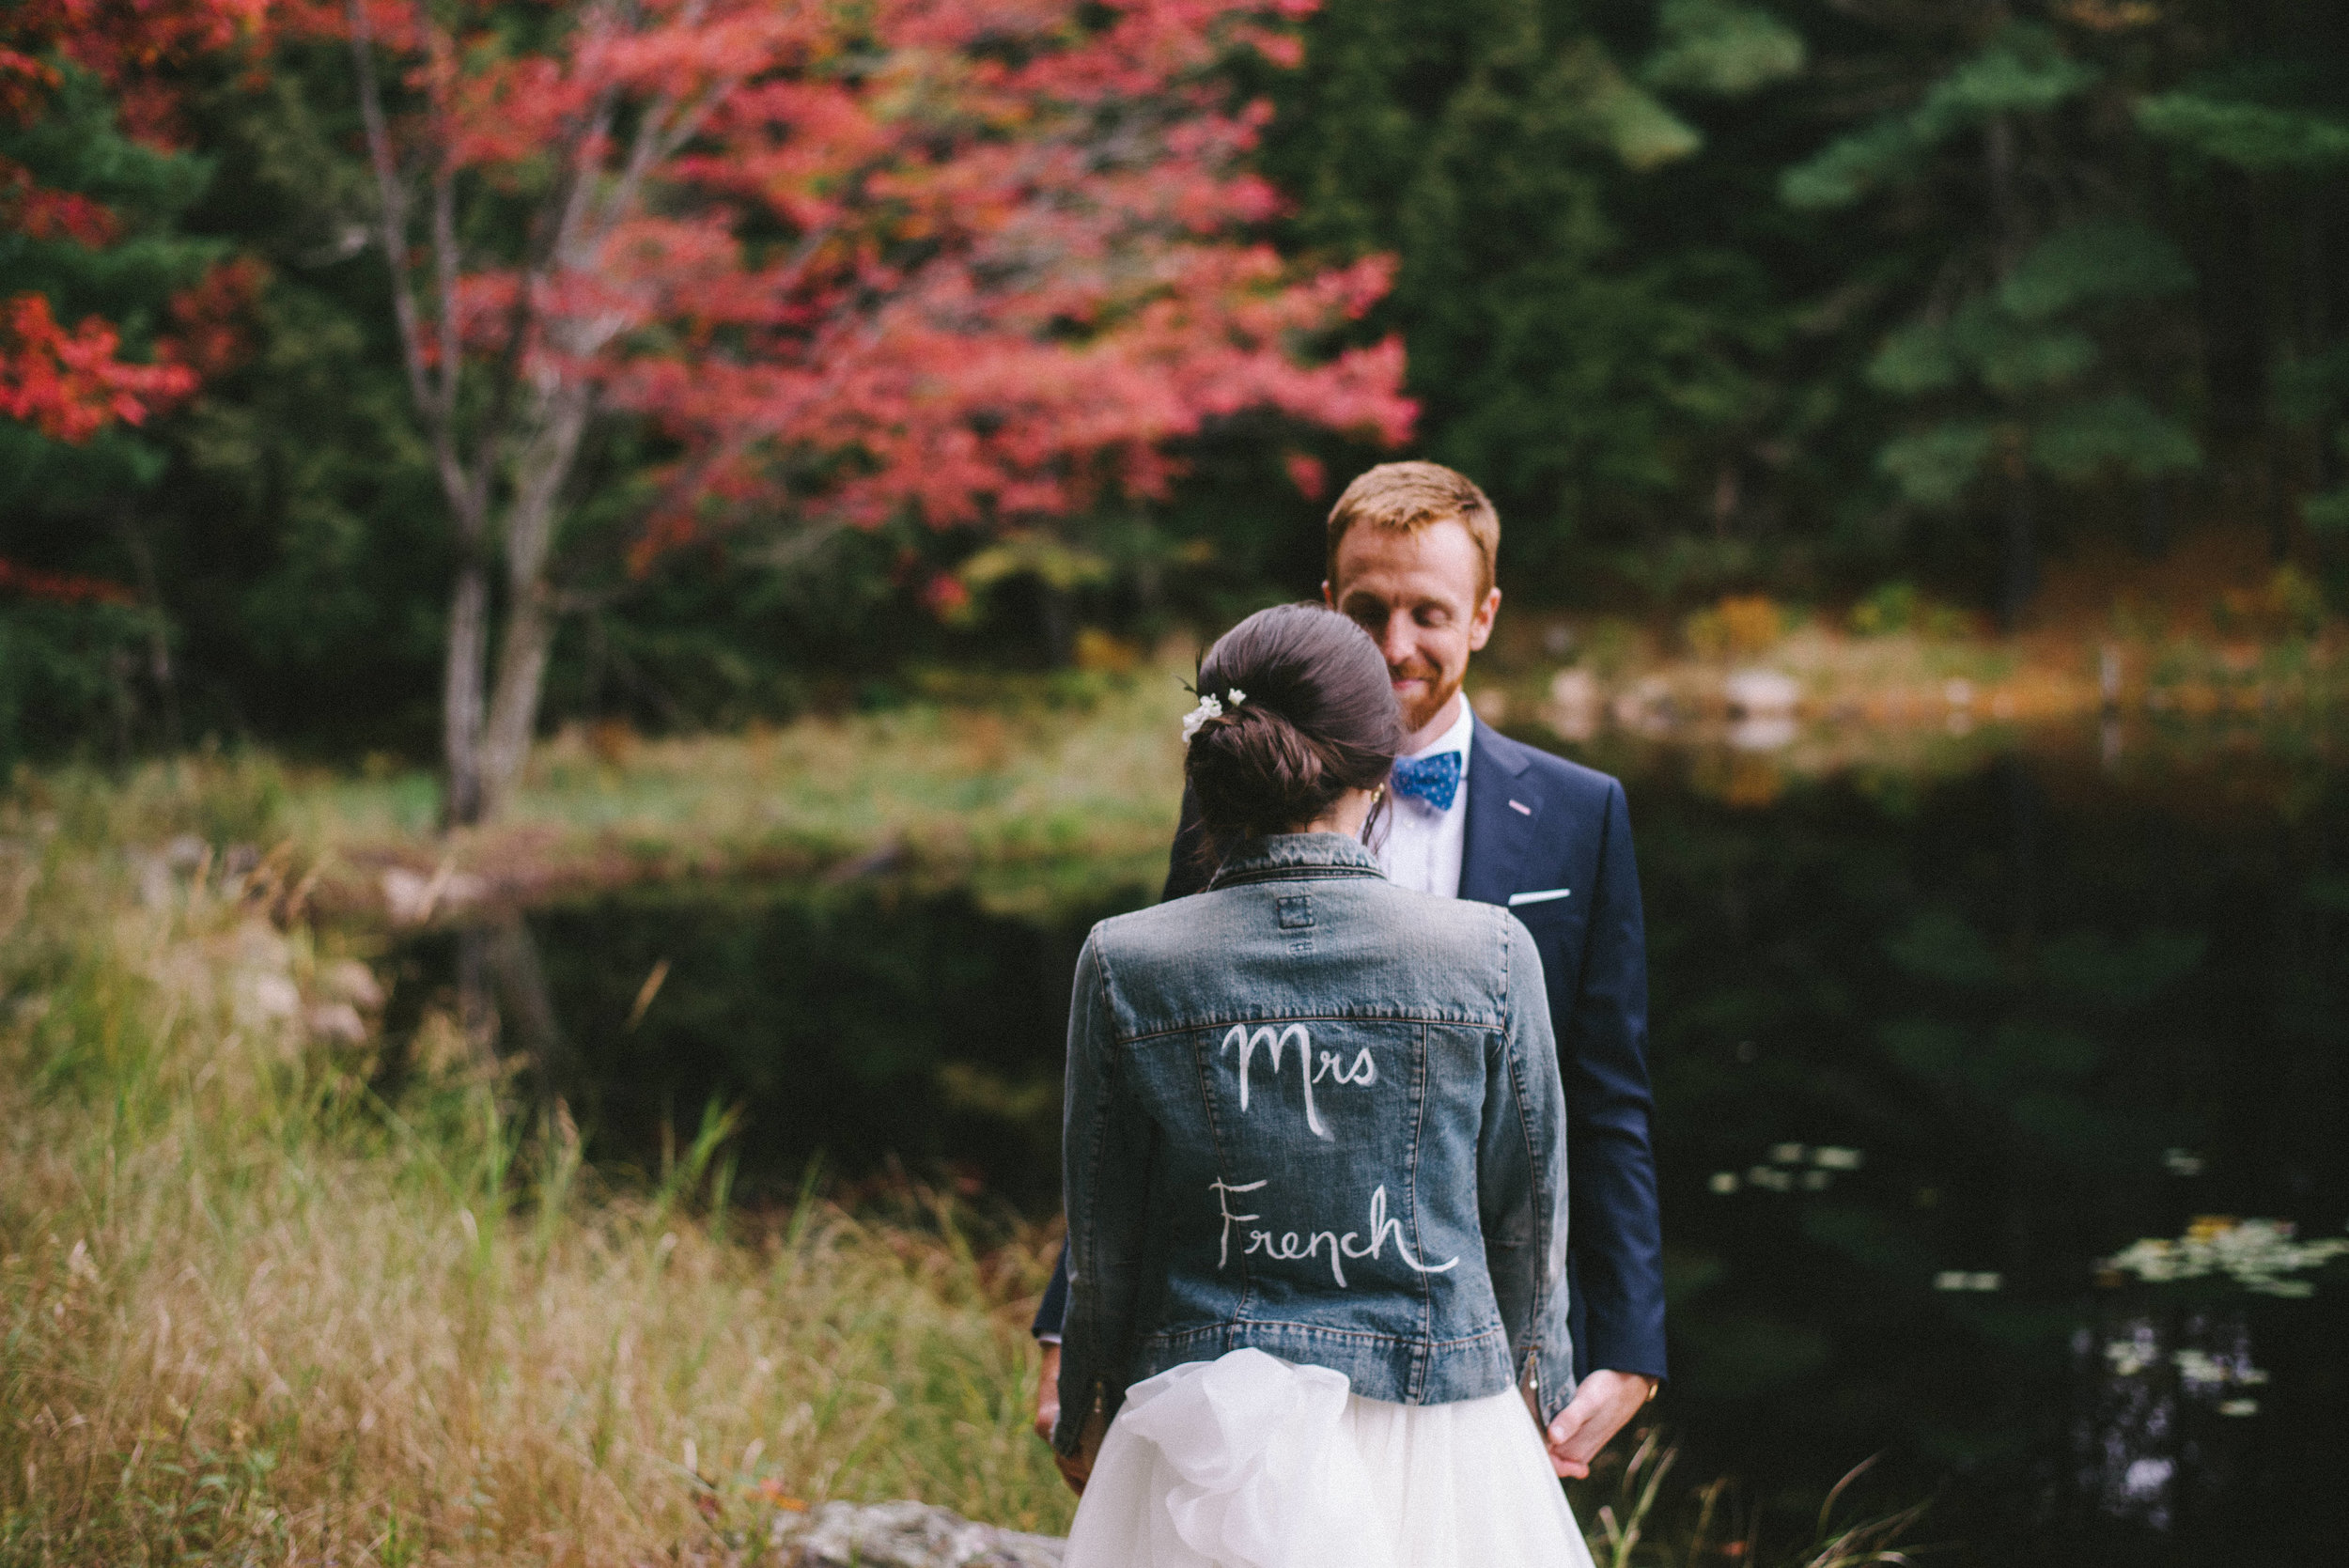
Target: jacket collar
point(1504, 819)
point(1292, 856)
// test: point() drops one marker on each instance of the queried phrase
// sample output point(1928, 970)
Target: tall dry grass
point(251, 1312)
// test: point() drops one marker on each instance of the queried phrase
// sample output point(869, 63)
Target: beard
point(1437, 690)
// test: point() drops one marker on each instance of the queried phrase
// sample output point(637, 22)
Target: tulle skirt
point(1250, 1462)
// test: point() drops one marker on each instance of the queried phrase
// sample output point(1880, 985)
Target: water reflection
point(2061, 1012)
point(2148, 1436)
point(1935, 1054)
point(856, 1022)
point(1791, 1168)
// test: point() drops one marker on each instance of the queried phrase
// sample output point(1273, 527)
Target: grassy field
point(251, 1312)
point(256, 1304)
point(1011, 788)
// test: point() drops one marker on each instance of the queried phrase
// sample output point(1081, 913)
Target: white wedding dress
point(1250, 1462)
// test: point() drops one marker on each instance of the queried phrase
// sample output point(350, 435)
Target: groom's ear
point(1481, 625)
point(1325, 597)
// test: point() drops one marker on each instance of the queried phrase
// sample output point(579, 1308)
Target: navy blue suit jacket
point(1537, 823)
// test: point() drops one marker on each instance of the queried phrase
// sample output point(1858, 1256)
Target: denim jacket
point(1314, 1114)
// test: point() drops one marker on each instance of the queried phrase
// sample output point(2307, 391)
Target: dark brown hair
point(1317, 717)
point(1405, 498)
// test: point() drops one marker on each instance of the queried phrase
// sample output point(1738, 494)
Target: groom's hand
point(1602, 1403)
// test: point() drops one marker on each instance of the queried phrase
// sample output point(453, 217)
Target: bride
point(1314, 1160)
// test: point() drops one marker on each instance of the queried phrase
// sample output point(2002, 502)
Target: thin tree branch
point(392, 200)
point(445, 262)
point(579, 164)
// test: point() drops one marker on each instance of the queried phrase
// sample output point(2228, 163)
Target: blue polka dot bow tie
point(1435, 780)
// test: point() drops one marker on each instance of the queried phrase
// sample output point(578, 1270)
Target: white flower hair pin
point(1210, 706)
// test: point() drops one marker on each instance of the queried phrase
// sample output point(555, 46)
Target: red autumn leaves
point(69, 382)
point(974, 260)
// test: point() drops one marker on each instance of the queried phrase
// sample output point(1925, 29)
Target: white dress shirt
point(1423, 845)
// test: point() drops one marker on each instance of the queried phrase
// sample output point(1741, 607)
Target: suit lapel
point(1502, 815)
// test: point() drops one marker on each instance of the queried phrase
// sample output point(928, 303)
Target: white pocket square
point(1542, 897)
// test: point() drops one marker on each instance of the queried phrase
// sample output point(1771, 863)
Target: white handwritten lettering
point(1223, 1192)
point(1295, 1247)
point(1381, 1227)
point(1362, 1070)
point(1292, 1247)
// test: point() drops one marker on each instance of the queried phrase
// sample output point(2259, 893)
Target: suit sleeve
point(1617, 1253)
point(1186, 873)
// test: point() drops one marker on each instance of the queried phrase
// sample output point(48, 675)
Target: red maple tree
point(975, 261)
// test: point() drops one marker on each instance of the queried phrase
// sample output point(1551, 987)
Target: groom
point(1478, 815)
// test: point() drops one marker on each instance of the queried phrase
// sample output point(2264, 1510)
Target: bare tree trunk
point(460, 693)
point(531, 616)
point(523, 652)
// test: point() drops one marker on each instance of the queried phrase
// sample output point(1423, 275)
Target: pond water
point(1930, 1050)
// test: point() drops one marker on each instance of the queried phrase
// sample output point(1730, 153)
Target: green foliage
point(2023, 70)
point(2254, 136)
point(2329, 513)
point(1638, 128)
point(1934, 467)
point(2095, 261)
point(68, 670)
point(1714, 46)
point(2079, 440)
point(76, 145)
point(1493, 147)
point(296, 534)
point(1979, 342)
point(61, 675)
point(2023, 356)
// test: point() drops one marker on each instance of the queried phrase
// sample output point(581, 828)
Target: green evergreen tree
point(1489, 146)
point(84, 670)
point(2266, 121)
point(2025, 276)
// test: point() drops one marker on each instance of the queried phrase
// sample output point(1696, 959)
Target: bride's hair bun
point(1317, 719)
